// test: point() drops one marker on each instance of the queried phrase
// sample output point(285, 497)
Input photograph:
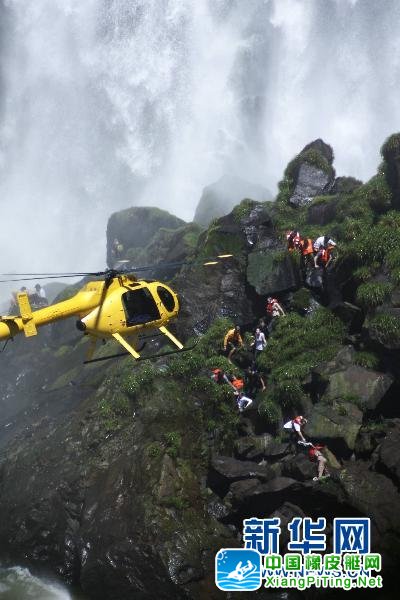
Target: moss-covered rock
point(309, 174)
point(135, 227)
point(337, 426)
point(364, 387)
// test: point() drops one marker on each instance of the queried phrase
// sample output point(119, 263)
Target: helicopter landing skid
point(101, 358)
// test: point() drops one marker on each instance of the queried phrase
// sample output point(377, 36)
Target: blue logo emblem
point(238, 569)
point(351, 535)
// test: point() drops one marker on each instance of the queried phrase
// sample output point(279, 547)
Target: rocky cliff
point(126, 479)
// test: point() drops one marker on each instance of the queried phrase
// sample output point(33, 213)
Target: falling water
point(109, 103)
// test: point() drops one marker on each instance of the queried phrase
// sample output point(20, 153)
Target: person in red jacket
point(315, 455)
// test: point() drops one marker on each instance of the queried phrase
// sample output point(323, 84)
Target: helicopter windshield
point(140, 307)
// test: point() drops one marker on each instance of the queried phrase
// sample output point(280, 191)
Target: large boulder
point(221, 197)
point(375, 496)
point(253, 498)
point(272, 272)
point(134, 228)
point(364, 386)
point(225, 470)
point(312, 173)
point(252, 447)
point(299, 467)
point(336, 426)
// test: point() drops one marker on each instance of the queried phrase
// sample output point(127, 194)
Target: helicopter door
point(140, 307)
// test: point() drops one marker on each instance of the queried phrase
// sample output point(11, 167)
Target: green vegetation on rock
point(297, 345)
point(373, 293)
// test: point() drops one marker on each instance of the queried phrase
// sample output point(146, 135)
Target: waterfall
point(109, 103)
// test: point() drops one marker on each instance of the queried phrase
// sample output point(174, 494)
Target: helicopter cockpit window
point(166, 298)
point(140, 307)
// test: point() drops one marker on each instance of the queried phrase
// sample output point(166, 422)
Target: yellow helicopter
point(120, 306)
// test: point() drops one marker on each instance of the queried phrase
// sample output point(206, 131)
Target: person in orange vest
point(293, 240)
point(220, 377)
point(306, 252)
point(323, 258)
point(315, 455)
point(232, 341)
point(237, 383)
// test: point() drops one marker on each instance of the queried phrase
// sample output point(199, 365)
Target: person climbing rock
point(220, 377)
point(243, 402)
point(116, 250)
point(259, 342)
point(253, 382)
point(295, 426)
point(237, 383)
point(325, 241)
point(274, 310)
point(315, 455)
point(293, 239)
point(306, 248)
point(232, 341)
point(323, 257)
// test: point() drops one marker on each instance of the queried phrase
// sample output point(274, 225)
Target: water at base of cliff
point(17, 583)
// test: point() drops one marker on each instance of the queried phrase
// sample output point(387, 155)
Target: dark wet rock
point(345, 185)
point(315, 278)
point(375, 496)
point(388, 455)
point(350, 314)
point(323, 211)
point(337, 426)
point(299, 467)
point(368, 439)
point(221, 197)
point(224, 470)
point(252, 448)
point(276, 449)
point(252, 498)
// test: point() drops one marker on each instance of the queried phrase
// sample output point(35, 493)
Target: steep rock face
point(222, 196)
point(311, 172)
point(97, 494)
point(311, 181)
point(135, 227)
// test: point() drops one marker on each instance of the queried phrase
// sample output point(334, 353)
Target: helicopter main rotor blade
point(15, 277)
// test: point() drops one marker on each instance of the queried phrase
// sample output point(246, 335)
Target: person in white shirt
point(40, 291)
point(243, 401)
point(259, 341)
point(323, 241)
